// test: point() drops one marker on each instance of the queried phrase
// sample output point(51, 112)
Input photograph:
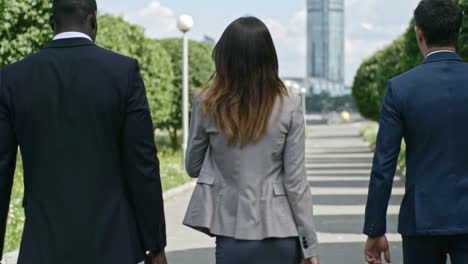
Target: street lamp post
point(185, 24)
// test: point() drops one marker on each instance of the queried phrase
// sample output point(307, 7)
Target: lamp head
point(185, 23)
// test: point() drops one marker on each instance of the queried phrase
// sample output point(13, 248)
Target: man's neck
point(438, 49)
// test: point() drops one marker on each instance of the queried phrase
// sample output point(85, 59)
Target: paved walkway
point(339, 163)
point(338, 167)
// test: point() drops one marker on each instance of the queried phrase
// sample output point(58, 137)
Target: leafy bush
point(24, 28)
point(370, 82)
point(201, 68)
point(155, 63)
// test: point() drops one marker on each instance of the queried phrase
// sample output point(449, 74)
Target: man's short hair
point(72, 12)
point(440, 22)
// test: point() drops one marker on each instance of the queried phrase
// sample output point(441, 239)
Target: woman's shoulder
point(292, 101)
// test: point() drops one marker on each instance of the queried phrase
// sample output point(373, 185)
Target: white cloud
point(290, 40)
point(158, 20)
point(357, 50)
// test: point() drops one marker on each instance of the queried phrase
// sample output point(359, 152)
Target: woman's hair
point(246, 85)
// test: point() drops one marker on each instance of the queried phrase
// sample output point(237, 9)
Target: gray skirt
point(271, 251)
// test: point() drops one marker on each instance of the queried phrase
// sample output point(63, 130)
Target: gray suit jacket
point(255, 192)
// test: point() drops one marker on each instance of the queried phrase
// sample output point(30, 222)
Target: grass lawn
point(172, 175)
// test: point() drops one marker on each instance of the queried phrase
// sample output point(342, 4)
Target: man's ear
point(419, 34)
point(52, 22)
point(93, 21)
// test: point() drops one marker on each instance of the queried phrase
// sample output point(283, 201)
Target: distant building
point(326, 40)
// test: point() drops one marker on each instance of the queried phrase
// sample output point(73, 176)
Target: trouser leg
point(425, 250)
point(458, 249)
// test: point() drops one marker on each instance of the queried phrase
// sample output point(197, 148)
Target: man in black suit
point(80, 116)
point(428, 107)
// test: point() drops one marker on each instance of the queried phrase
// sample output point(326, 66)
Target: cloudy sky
point(370, 24)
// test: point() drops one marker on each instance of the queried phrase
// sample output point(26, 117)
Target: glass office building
point(326, 40)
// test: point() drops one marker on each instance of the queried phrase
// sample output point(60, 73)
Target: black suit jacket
point(92, 187)
point(428, 107)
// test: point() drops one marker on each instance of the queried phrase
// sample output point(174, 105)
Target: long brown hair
point(246, 84)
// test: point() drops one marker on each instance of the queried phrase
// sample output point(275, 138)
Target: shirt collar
point(438, 51)
point(71, 34)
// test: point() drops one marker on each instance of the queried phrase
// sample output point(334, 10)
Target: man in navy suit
point(80, 116)
point(428, 107)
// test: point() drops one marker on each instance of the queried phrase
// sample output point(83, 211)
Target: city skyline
point(370, 24)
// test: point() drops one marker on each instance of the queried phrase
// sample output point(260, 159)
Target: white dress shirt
point(438, 51)
point(71, 34)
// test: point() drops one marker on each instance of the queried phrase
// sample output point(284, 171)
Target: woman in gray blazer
point(247, 149)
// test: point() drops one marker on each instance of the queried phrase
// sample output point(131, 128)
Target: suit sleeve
point(198, 142)
point(8, 151)
point(297, 186)
point(384, 165)
point(141, 166)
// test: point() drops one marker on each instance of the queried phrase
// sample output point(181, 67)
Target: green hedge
point(370, 82)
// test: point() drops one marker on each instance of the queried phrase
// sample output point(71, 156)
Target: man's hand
point(374, 249)
point(314, 260)
point(156, 259)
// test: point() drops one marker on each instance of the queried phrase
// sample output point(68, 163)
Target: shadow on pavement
point(349, 224)
point(339, 160)
point(192, 256)
point(353, 253)
point(338, 168)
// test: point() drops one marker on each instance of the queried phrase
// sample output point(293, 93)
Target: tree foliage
point(370, 82)
point(24, 28)
point(155, 63)
point(201, 68)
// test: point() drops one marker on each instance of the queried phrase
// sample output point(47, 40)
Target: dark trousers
point(435, 249)
point(271, 251)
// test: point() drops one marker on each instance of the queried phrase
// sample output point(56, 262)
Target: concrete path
point(338, 168)
point(339, 164)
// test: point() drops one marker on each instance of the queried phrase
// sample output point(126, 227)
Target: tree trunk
point(174, 139)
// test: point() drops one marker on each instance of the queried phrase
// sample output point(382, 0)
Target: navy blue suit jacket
point(92, 188)
point(428, 107)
